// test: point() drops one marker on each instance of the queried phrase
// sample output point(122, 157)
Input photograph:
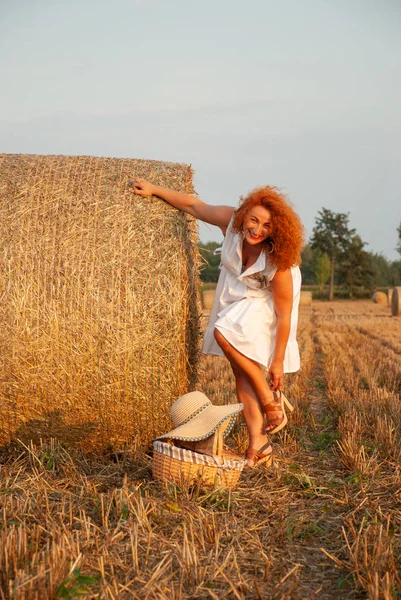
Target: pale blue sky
point(300, 94)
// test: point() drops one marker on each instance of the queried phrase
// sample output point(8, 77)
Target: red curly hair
point(288, 231)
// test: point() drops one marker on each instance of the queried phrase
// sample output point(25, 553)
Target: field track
point(323, 522)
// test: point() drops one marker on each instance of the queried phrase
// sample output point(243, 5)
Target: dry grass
point(324, 522)
point(99, 320)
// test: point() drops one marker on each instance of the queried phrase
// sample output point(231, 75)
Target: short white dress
point(243, 309)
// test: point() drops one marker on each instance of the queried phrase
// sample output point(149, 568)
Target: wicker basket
point(185, 467)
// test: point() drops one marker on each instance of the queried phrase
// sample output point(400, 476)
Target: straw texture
point(100, 309)
point(305, 298)
point(396, 302)
point(207, 298)
point(196, 418)
point(380, 298)
point(191, 468)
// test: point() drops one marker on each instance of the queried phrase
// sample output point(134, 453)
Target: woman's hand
point(276, 374)
point(142, 187)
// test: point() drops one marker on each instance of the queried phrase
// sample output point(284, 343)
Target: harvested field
point(324, 522)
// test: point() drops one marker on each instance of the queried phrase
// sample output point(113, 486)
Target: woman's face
point(257, 225)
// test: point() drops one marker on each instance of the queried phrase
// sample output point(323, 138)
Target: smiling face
point(257, 225)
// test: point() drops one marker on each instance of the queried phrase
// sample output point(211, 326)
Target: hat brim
point(204, 424)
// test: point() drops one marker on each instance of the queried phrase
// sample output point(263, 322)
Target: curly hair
point(288, 231)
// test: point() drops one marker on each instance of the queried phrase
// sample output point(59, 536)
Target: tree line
point(334, 254)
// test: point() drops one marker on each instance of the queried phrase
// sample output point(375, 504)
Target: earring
point(272, 247)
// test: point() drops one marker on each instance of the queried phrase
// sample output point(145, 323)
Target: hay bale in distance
point(380, 298)
point(100, 309)
point(390, 296)
point(305, 298)
point(396, 302)
point(207, 299)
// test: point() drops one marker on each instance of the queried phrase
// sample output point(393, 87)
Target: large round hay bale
point(390, 296)
point(380, 298)
point(396, 302)
point(207, 299)
point(100, 310)
point(305, 299)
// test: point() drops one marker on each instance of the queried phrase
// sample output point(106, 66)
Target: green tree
point(307, 266)
point(356, 268)
point(331, 235)
point(382, 269)
point(398, 247)
point(322, 269)
point(210, 270)
point(395, 272)
point(385, 272)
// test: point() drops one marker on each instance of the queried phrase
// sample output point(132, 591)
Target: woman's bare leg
point(250, 367)
point(253, 414)
point(252, 390)
point(254, 373)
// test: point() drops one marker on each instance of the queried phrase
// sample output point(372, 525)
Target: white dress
point(243, 309)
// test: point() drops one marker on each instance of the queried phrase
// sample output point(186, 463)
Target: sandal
point(279, 410)
point(259, 457)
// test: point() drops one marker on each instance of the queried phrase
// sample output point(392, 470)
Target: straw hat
point(196, 418)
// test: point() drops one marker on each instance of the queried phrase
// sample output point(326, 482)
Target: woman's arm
point(282, 298)
point(215, 215)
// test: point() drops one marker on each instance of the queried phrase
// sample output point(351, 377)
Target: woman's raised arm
point(215, 215)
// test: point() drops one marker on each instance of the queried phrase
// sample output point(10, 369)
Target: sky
point(303, 95)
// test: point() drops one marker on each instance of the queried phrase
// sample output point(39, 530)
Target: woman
point(254, 316)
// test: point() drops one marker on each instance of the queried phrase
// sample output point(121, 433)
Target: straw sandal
point(259, 457)
point(272, 414)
